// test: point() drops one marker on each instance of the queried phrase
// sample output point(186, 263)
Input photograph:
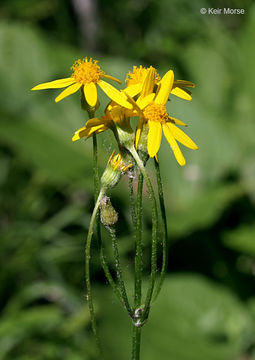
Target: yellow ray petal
point(133, 90)
point(93, 122)
point(183, 94)
point(138, 131)
point(154, 138)
point(90, 93)
point(183, 83)
point(177, 121)
point(172, 142)
point(82, 132)
point(149, 83)
point(165, 88)
point(180, 136)
point(97, 132)
point(70, 90)
point(135, 107)
point(143, 102)
point(78, 135)
point(111, 78)
point(114, 94)
point(97, 121)
point(96, 129)
point(56, 84)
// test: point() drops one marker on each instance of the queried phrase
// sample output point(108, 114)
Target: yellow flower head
point(138, 75)
point(93, 126)
point(87, 74)
point(136, 78)
point(154, 113)
point(114, 115)
point(85, 71)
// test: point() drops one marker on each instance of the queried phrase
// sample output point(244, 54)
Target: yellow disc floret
point(156, 112)
point(138, 75)
point(86, 71)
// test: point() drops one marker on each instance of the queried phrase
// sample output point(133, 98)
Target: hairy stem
point(154, 235)
point(87, 269)
point(119, 271)
point(136, 338)
point(132, 201)
point(164, 231)
point(98, 227)
point(108, 274)
point(138, 250)
point(136, 342)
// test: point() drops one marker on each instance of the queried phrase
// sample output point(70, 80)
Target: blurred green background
point(207, 306)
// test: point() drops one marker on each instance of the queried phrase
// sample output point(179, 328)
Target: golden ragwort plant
point(144, 99)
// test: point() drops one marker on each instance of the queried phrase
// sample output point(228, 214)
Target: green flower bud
point(108, 214)
point(114, 169)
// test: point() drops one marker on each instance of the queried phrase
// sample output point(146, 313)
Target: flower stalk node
point(138, 320)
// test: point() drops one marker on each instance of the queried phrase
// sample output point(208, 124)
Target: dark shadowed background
point(207, 306)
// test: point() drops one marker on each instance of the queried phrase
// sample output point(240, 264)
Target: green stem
point(132, 201)
point(98, 225)
point(95, 170)
point(136, 342)
point(136, 339)
point(108, 274)
point(119, 271)
point(138, 250)
point(164, 231)
point(154, 235)
point(87, 269)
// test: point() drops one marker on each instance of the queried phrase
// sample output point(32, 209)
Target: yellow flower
point(136, 78)
point(95, 125)
point(114, 115)
point(87, 74)
point(153, 111)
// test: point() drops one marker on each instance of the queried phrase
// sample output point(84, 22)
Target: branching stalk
point(87, 269)
point(136, 338)
point(154, 235)
point(138, 250)
point(132, 201)
point(164, 231)
point(98, 225)
point(121, 284)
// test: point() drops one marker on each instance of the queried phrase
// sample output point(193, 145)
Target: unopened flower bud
point(108, 214)
point(114, 169)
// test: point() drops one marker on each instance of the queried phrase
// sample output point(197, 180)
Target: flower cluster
point(142, 101)
point(144, 98)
